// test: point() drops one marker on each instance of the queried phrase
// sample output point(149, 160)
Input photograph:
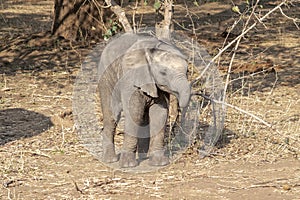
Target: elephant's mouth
point(166, 89)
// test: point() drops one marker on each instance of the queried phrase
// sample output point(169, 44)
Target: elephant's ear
point(145, 81)
point(149, 55)
point(140, 72)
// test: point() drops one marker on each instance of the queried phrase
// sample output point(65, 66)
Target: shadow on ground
point(26, 44)
point(39, 52)
point(17, 123)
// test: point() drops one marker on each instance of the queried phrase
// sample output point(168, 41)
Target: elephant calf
point(137, 74)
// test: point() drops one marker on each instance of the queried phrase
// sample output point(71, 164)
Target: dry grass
point(253, 161)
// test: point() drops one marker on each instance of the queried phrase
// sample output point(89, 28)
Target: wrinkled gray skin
point(137, 74)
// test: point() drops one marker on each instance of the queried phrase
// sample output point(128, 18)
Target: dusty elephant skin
point(137, 74)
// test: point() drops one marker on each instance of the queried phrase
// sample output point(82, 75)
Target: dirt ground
point(41, 156)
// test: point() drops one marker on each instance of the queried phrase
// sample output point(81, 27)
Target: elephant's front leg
point(134, 128)
point(158, 118)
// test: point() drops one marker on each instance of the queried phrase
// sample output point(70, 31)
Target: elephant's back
point(119, 46)
point(116, 48)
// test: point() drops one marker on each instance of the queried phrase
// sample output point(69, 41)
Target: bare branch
point(236, 108)
point(295, 20)
point(235, 49)
point(237, 39)
point(133, 16)
point(191, 19)
point(120, 14)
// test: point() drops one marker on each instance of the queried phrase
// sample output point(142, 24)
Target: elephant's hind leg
point(109, 127)
point(108, 133)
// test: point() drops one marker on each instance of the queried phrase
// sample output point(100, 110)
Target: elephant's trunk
point(183, 89)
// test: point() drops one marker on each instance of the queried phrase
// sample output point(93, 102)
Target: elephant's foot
point(158, 158)
point(109, 155)
point(128, 159)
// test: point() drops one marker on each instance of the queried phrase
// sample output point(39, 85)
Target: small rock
point(286, 187)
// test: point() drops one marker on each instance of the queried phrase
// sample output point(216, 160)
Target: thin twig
point(237, 39)
point(36, 153)
point(133, 17)
point(121, 15)
point(77, 188)
point(295, 20)
point(54, 97)
point(181, 26)
point(191, 19)
point(234, 51)
point(236, 108)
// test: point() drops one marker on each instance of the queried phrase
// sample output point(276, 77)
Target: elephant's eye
point(163, 73)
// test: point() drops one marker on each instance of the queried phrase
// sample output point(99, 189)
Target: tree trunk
point(80, 19)
point(163, 28)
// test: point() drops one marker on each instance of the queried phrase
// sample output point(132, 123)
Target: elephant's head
point(158, 64)
point(168, 68)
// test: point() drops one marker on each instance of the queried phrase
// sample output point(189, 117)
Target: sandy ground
point(41, 156)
